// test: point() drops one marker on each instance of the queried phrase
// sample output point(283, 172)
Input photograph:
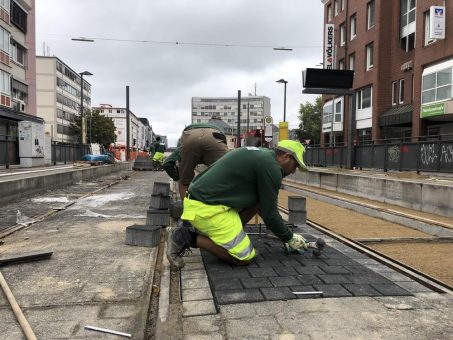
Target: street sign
point(268, 133)
point(268, 120)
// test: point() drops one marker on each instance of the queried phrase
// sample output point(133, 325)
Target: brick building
point(403, 76)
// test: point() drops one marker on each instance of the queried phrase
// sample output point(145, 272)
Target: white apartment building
point(59, 94)
point(140, 132)
point(17, 74)
point(253, 110)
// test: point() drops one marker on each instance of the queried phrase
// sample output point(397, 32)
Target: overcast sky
point(163, 76)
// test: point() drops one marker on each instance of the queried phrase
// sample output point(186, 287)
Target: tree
point(100, 129)
point(310, 121)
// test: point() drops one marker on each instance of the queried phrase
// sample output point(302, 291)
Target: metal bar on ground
point(109, 331)
point(308, 293)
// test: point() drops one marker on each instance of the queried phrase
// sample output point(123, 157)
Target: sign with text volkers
point(329, 47)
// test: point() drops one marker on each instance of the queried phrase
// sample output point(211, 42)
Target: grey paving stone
point(334, 278)
point(222, 284)
point(358, 269)
point(284, 281)
point(193, 274)
point(309, 270)
point(194, 283)
point(340, 262)
point(395, 276)
point(361, 290)
point(256, 282)
point(333, 290)
point(238, 296)
point(285, 271)
point(309, 279)
point(196, 294)
point(193, 308)
point(334, 269)
point(227, 275)
point(262, 272)
point(390, 289)
point(281, 293)
point(369, 278)
point(414, 287)
point(269, 263)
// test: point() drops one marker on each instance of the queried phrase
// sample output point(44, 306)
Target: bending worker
point(159, 149)
point(199, 144)
point(228, 194)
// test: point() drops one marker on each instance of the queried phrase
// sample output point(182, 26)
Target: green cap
point(295, 149)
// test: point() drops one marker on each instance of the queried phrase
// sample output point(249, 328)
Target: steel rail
point(418, 276)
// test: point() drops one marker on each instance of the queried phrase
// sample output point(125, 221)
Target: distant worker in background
point(199, 144)
point(221, 200)
point(159, 149)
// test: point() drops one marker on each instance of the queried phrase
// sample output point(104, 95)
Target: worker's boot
point(178, 245)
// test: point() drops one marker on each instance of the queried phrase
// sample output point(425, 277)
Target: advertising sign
point(329, 47)
point(437, 22)
point(432, 110)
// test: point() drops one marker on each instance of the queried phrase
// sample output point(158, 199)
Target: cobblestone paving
point(275, 275)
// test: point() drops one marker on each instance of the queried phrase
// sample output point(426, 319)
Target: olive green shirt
point(241, 179)
point(204, 125)
point(170, 165)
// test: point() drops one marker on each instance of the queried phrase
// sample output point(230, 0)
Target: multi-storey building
point(17, 73)
point(403, 61)
point(140, 132)
point(253, 111)
point(59, 94)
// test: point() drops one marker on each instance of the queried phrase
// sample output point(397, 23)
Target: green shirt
point(241, 179)
point(170, 166)
point(204, 125)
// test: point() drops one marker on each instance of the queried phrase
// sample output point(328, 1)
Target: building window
point(19, 17)
point(5, 5)
point(427, 40)
point(5, 83)
point(394, 92)
point(353, 27)
point(369, 56)
point(364, 98)
point(336, 7)
point(352, 62)
point(342, 34)
point(341, 64)
point(401, 93)
point(329, 12)
point(338, 110)
point(407, 17)
point(4, 40)
point(17, 53)
point(437, 86)
point(370, 14)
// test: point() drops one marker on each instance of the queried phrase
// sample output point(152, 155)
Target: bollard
point(297, 203)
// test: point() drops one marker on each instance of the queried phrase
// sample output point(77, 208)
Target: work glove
point(296, 243)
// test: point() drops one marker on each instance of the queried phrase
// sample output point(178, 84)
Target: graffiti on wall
point(428, 154)
point(394, 153)
point(446, 155)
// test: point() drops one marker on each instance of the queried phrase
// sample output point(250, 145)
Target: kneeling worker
point(228, 194)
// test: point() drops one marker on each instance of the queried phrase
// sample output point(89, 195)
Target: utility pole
point(238, 143)
point(128, 117)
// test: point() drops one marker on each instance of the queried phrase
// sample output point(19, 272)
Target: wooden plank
point(27, 257)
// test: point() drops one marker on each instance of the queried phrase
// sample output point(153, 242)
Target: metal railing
point(428, 155)
point(68, 152)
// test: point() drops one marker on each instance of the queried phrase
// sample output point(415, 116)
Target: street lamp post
point(283, 81)
point(82, 113)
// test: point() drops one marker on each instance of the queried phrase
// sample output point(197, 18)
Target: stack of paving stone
point(157, 216)
point(158, 213)
point(297, 210)
point(143, 163)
